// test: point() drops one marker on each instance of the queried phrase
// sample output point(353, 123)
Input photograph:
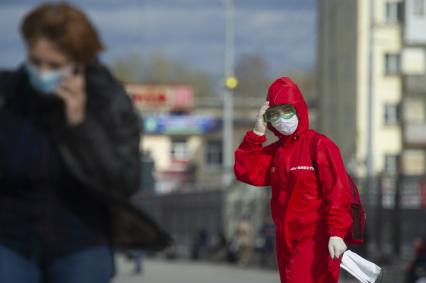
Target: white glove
point(260, 126)
point(336, 247)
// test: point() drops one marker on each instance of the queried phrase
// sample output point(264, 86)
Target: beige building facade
point(346, 81)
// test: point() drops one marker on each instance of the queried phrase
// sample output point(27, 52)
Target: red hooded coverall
point(307, 210)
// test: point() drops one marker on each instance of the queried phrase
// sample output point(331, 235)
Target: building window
point(214, 153)
point(391, 164)
point(180, 150)
point(419, 8)
point(391, 114)
point(392, 64)
point(393, 13)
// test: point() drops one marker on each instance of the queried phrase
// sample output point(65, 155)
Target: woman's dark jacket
point(102, 153)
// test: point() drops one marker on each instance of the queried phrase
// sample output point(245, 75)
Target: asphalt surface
point(163, 271)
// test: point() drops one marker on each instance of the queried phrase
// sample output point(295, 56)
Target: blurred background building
point(371, 98)
point(398, 65)
point(184, 146)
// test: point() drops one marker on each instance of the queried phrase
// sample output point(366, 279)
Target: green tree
point(160, 69)
point(252, 73)
point(306, 80)
point(129, 67)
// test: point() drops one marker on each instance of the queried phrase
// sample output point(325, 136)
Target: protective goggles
point(273, 114)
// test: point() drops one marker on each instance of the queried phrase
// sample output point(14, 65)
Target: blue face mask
point(45, 82)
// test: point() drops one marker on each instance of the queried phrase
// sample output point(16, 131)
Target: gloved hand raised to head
point(260, 126)
point(336, 247)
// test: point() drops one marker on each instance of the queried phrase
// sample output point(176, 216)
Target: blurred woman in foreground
point(69, 158)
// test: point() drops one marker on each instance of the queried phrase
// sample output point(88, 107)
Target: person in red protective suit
point(310, 201)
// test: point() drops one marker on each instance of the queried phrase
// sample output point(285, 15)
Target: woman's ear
point(78, 69)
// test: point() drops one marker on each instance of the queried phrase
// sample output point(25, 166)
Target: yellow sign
point(231, 82)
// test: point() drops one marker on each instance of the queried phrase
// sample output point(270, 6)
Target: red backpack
point(356, 235)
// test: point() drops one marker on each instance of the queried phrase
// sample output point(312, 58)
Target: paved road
point(159, 271)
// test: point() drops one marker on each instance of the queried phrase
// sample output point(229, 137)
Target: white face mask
point(286, 126)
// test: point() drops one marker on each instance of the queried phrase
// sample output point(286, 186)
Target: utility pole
point(230, 83)
point(370, 100)
point(371, 186)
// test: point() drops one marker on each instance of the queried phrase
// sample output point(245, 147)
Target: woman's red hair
point(67, 27)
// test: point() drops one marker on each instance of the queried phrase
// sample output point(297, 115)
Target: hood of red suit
point(285, 91)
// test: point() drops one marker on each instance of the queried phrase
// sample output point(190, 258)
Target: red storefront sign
point(149, 98)
point(153, 98)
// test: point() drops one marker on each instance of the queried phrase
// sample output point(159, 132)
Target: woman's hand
point(260, 126)
point(72, 90)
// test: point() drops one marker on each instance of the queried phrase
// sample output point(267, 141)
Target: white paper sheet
point(363, 270)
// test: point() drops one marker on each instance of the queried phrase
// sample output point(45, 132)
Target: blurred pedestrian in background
point(137, 258)
point(310, 191)
point(200, 243)
point(244, 239)
point(219, 246)
point(240, 247)
point(267, 236)
point(416, 271)
point(69, 158)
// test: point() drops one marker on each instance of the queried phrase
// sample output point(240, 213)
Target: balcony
point(414, 134)
point(415, 85)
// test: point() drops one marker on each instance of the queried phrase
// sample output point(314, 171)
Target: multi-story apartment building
point(372, 102)
point(414, 87)
point(371, 54)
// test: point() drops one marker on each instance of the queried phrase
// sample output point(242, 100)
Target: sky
point(283, 32)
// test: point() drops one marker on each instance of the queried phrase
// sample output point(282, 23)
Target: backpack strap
point(313, 147)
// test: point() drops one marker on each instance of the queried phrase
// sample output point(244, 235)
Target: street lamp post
point(228, 99)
